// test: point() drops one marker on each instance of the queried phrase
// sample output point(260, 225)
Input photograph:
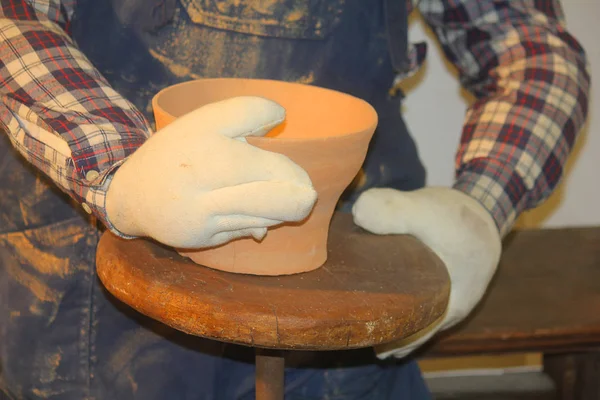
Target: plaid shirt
point(529, 75)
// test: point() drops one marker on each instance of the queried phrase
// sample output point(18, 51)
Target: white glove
point(197, 183)
point(452, 224)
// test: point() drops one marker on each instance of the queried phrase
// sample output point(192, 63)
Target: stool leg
point(270, 367)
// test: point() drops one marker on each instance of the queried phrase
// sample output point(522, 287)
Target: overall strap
point(396, 17)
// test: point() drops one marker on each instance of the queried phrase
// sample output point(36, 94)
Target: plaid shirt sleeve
point(531, 81)
point(57, 109)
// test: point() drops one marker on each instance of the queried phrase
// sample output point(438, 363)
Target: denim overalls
point(62, 336)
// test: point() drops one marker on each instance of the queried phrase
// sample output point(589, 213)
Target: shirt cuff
point(500, 190)
point(94, 194)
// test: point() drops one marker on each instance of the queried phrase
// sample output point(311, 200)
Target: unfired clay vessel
point(325, 132)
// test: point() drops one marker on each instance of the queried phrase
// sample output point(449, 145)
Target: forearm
point(58, 110)
point(532, 85)
point(517, 138)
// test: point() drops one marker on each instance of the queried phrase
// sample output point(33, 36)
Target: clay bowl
point(326, 132)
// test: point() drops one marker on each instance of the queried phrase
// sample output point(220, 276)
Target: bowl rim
point(262, 139)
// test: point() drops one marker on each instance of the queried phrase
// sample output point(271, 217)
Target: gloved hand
point(197, 183)
point(456, 227)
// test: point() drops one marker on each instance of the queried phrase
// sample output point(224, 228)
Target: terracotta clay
point(325, 132)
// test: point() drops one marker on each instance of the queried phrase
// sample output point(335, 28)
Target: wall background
point(577, 200)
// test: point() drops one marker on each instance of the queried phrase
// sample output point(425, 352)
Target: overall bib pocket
point(291, 19)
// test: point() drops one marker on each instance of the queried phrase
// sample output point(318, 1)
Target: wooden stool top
point(373, 289)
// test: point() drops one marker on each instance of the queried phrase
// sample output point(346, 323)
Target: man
point(78, 113)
